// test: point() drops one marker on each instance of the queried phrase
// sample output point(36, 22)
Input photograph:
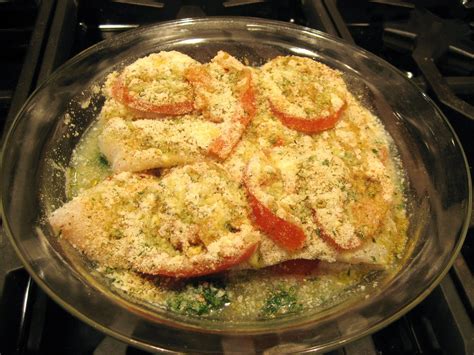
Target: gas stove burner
point(431, 39)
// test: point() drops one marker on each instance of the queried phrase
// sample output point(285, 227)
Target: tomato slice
point(147, 109)
point(329, 238)
point(307, 125)
point(247, 98)
point(297, 267)
point(223, 145)
point(212, 83)
point(284, 233)
point(201, 269)
point(202, 81)
point(296, 86)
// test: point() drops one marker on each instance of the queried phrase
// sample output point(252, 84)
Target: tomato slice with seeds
point(307, 125)
point(202, 269)
point(304, 95)
point(223, 145)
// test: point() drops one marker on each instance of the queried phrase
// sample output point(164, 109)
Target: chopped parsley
point(198, 300)
point(231, 228)
point(281, 301)
point(102, 160)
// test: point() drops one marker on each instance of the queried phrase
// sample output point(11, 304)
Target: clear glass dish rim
point(340, 341)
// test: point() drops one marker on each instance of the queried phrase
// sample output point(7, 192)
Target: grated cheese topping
point(341, 186)
point(147, 144)
point(193, 215)
point(159, 78)
point(217, 86)
point(302, 87)
point(220, 99)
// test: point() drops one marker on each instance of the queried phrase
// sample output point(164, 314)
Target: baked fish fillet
point(192, 221)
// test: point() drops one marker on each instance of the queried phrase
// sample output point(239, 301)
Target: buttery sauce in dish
point(232, 192)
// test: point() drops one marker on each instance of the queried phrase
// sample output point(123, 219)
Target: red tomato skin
point(248, 101)
point(218, 147)
point(222, 146)
point(286, 234)
point(146, 109)
point(305, 125)
point(328, 238)
point(295, 267)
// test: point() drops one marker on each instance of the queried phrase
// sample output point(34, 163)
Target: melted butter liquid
point(250, 295)
point(88, 166)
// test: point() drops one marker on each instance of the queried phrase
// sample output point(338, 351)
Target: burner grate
point(436, 41)
point(17, 20)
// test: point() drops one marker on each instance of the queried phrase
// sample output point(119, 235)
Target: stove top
point(431, 42)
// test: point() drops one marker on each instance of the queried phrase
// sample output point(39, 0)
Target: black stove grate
point(27, 64)
point(17, 21)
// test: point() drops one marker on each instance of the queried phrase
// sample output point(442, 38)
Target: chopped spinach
point(281, 301)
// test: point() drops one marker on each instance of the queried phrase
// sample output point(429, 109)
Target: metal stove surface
point(430, 41)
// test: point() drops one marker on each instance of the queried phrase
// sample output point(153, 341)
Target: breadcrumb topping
point(342, 187)
point(193, 215)
point(159, 78)
point(302, 87)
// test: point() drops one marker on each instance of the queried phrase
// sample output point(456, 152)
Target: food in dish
point(155, 86)
point(240, 173)
point(193, 221)
point(305, 95)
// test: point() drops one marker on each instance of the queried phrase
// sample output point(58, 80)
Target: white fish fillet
point(145, 223)
point(148, 144)
point(159, 225)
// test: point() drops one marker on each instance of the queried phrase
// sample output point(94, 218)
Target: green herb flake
point(281, 301)
point(102, 160)
point(228, 225)
point(274, 140)
point(198, 300)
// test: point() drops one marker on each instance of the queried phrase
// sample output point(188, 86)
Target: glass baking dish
point(38, 146)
